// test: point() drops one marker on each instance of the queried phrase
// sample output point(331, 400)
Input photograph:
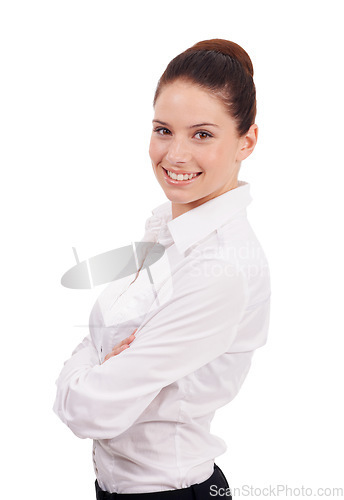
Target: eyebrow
point(192, 126)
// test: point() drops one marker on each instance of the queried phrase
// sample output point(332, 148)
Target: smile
point(178, 179)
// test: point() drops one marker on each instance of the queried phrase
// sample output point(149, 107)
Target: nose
point(178, 152)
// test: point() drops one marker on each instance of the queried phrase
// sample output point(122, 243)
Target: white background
point(77, 83)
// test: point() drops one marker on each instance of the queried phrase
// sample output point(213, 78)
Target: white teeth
point(180, 177)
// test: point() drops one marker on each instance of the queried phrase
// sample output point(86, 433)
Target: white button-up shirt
point(200, 315)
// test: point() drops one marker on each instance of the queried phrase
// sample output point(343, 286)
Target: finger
point(132, 336)
point(118, 349)
point(126, 340)
point(115, 351)
point(121, 343)
point(106, 357)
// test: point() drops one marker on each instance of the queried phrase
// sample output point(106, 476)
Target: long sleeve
point(84, 356)
point(197, 324)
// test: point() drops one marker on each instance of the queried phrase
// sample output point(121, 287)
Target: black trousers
point(216, 487)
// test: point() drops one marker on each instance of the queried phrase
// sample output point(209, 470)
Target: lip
point(178, 183)
point(179, 171)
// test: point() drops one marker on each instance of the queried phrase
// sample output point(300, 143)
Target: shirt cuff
point(81, 361)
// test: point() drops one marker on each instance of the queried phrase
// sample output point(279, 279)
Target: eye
point(203, 134)
point(161, 130)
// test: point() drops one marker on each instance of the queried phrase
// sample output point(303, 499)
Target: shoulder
point(208, 268)
point(240, 244)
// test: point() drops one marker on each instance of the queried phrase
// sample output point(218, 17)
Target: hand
point(124, 344)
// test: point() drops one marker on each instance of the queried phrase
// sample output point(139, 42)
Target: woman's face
point(194, 134)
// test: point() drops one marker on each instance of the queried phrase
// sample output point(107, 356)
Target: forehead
point(185, 100)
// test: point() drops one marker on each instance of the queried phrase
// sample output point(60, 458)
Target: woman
point(147, 398)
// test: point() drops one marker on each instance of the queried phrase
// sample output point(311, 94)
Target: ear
point(248, 142)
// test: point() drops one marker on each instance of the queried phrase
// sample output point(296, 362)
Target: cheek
point(156, 150)
point(213, 156)
point(222, 155)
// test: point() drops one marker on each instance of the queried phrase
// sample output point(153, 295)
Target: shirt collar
point(192, 226)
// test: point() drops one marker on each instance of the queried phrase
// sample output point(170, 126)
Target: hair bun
point(227, 48)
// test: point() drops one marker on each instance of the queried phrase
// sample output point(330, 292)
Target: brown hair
point(224, 68)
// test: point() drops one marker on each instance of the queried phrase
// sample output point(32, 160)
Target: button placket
point(94, 459)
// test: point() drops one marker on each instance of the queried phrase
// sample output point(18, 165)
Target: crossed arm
point(196, 325)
